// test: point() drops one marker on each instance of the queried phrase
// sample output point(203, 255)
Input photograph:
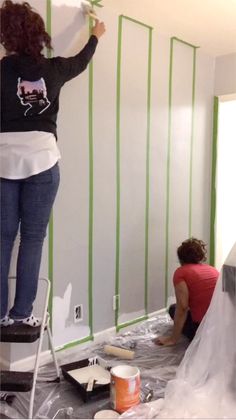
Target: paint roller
point(119, 352)
point(88, 10)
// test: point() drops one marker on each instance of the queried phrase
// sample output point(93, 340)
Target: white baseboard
point(154, 314)
point(103, 335)
point(46, 357)
point(29, 362)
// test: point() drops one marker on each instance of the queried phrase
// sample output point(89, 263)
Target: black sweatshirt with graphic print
point(30, 90)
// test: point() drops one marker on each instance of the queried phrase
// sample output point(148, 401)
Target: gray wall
point(172, 181)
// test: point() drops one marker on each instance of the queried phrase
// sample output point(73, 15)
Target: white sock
point(31, 320)
point(6, 321)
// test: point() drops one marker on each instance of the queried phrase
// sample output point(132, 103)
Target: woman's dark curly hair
point(192, 251)
point(23, 30)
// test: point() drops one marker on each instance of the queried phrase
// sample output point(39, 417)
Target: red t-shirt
point(200, 280)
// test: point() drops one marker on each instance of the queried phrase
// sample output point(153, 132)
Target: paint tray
point(80, 373)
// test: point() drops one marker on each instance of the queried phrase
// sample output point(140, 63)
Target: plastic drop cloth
point(157, 364)
point(205, 383)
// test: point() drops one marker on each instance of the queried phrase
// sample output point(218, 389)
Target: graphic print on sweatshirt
point(34, 95)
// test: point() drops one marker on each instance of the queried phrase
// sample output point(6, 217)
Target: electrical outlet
point(116, 302)
point(78, 313)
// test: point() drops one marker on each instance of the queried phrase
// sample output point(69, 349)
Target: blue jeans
point(25, 203)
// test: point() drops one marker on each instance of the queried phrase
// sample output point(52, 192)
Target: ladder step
point(19, 334)
point(16, 381)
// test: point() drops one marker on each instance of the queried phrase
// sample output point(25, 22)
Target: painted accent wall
point(135, 133)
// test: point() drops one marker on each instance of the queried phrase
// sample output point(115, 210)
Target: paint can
point(125, 387)
point(106, 414)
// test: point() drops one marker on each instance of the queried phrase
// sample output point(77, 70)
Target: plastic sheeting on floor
point(205, 383)
point(61, 400)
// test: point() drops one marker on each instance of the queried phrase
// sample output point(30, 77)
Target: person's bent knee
point(171, 310)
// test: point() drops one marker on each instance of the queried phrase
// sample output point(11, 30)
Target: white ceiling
point(210, 24)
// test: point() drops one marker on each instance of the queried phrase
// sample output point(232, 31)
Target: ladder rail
point(37, 360)
point(52, 348)
point(44, 326)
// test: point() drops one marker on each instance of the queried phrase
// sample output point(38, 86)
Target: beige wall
point(225, 74)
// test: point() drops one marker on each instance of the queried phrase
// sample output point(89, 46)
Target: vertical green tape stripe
point(148, 168)
point(213, 180)
point(49, 22)
point(191, 145)
point(169, 152)
point(50, 264)
point(168, 169)
point(90, 233)
point(50, 227)
point(118, 83)
point(118, 94)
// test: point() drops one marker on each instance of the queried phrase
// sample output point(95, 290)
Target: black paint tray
point(98, 389)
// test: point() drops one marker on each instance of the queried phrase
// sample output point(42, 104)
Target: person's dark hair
point(23, 30)
point(192, 251)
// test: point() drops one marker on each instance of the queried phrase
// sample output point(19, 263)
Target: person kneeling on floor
point(194, 284)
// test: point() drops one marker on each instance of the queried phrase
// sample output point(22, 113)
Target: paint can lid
point(106, 414)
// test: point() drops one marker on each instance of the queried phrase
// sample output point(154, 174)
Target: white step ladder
point(26, 381)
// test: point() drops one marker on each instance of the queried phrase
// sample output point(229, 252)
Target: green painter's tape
point(136, 21)
point(50, 265)
point(184, 42)
point(134, 321)
point(75, 343)
point(213, 180)
point(168, 171)
point(96, 3)
point(191, 146)
point(118, 82)
point(169, 152)
point(49, 23)
point(50, 227)
point(90, 233)
point(90, 240)
point(148, 169)
point(118, 106)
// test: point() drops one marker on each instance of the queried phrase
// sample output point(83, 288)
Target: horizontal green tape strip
point(184, 42)
point(136, 21)
point(76, 343)
point(134, 321)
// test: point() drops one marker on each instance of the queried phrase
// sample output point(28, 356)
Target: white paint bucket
point(125, 387)
point(106, 414)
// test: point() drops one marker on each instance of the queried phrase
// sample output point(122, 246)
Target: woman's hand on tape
point(99, 29)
